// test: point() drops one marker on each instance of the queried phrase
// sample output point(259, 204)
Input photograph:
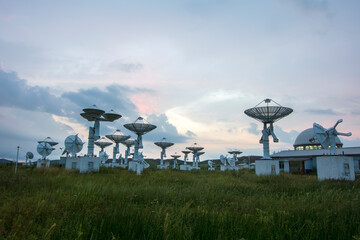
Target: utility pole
point(17, 158)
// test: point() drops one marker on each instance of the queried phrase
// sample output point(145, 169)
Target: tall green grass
point(116, 204)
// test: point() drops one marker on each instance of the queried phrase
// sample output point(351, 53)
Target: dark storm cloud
point(15, 92)
point(113, 97)
point(321, 111)
point(164, 129)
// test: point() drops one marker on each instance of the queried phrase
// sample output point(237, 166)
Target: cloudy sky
point(191, 67)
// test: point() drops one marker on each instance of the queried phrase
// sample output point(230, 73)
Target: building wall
point(267, 167)
point(335, 167)
point(83, 164)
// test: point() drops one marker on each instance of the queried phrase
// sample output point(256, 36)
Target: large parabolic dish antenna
point(164, 144)
point(139, 127)
point(44, 149)
point(49, 141)
point(73, 144)
point(96, 115)
point(117, 137)
point(268, 114)
point(195, 148)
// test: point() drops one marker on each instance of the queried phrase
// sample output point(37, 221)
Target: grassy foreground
point(116, 204)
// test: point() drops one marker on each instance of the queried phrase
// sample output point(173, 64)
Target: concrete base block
point(267, 167)
point(162, 166)
point(188, 167)
point(227, 167)
point(335, 167)
point(83, 164)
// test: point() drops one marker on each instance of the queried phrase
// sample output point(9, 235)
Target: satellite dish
point(44, 149)
point(111, 116)
point(210, 163)
point(164, 144)
point(29, 155)
point(268, 115)
point(73, 144)
point(102, 143)
point(96, 115)
point(49, 141)
point(327, 137)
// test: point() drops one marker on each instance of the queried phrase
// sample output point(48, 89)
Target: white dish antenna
point(268, 115)
point(73, 144)
point(102, 143)
point(44, 149)
point(29, 155)
point(327, 137)
point(49, 141)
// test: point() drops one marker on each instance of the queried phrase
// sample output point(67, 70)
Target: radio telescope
point(210, 168)
point(128, 143)
point(235, 153)
point(117, 137)
point(49, 141)
point(96, 115)
point(195, 148)
point(175, 157)
point(102, 143)
point(139, 127)
point(44, 149)
point(186, 153)
point(327, 137)
point(29, 155)
point(268, 115)
point(73, 145)
point(164, 144)
point(199, 154)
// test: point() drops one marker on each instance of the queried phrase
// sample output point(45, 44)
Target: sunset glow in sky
point(189, 67)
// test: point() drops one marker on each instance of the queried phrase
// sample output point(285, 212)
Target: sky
point(191, 67)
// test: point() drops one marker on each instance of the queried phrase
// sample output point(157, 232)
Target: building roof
point(304, 137)
point(317, 152)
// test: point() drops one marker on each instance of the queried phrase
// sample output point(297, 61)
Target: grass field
point(116, 204)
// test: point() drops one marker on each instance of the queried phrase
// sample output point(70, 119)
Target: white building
point(83, 164)
point(307, 151)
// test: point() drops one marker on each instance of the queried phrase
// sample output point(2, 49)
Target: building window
point(281, 165)
point(91, 165)
point(73, 165)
